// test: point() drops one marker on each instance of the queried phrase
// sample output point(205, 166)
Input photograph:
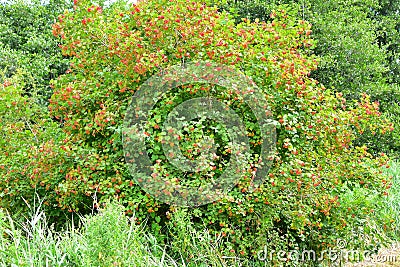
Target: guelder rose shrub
point(114, 51)
point(30, 157)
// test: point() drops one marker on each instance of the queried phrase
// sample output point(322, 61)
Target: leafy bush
point(388, 98)
point(30, 158)
point(113, 51)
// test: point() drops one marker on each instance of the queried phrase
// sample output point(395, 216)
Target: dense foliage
point(27, 141)
point(113, 51)
point(322, 185)
point(26, 42)
point(358, 43)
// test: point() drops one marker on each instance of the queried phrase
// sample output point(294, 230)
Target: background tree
point(26, 42)
point(358, 46)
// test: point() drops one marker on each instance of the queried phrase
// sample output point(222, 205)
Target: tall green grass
point(393, 200)
point(108, 238)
